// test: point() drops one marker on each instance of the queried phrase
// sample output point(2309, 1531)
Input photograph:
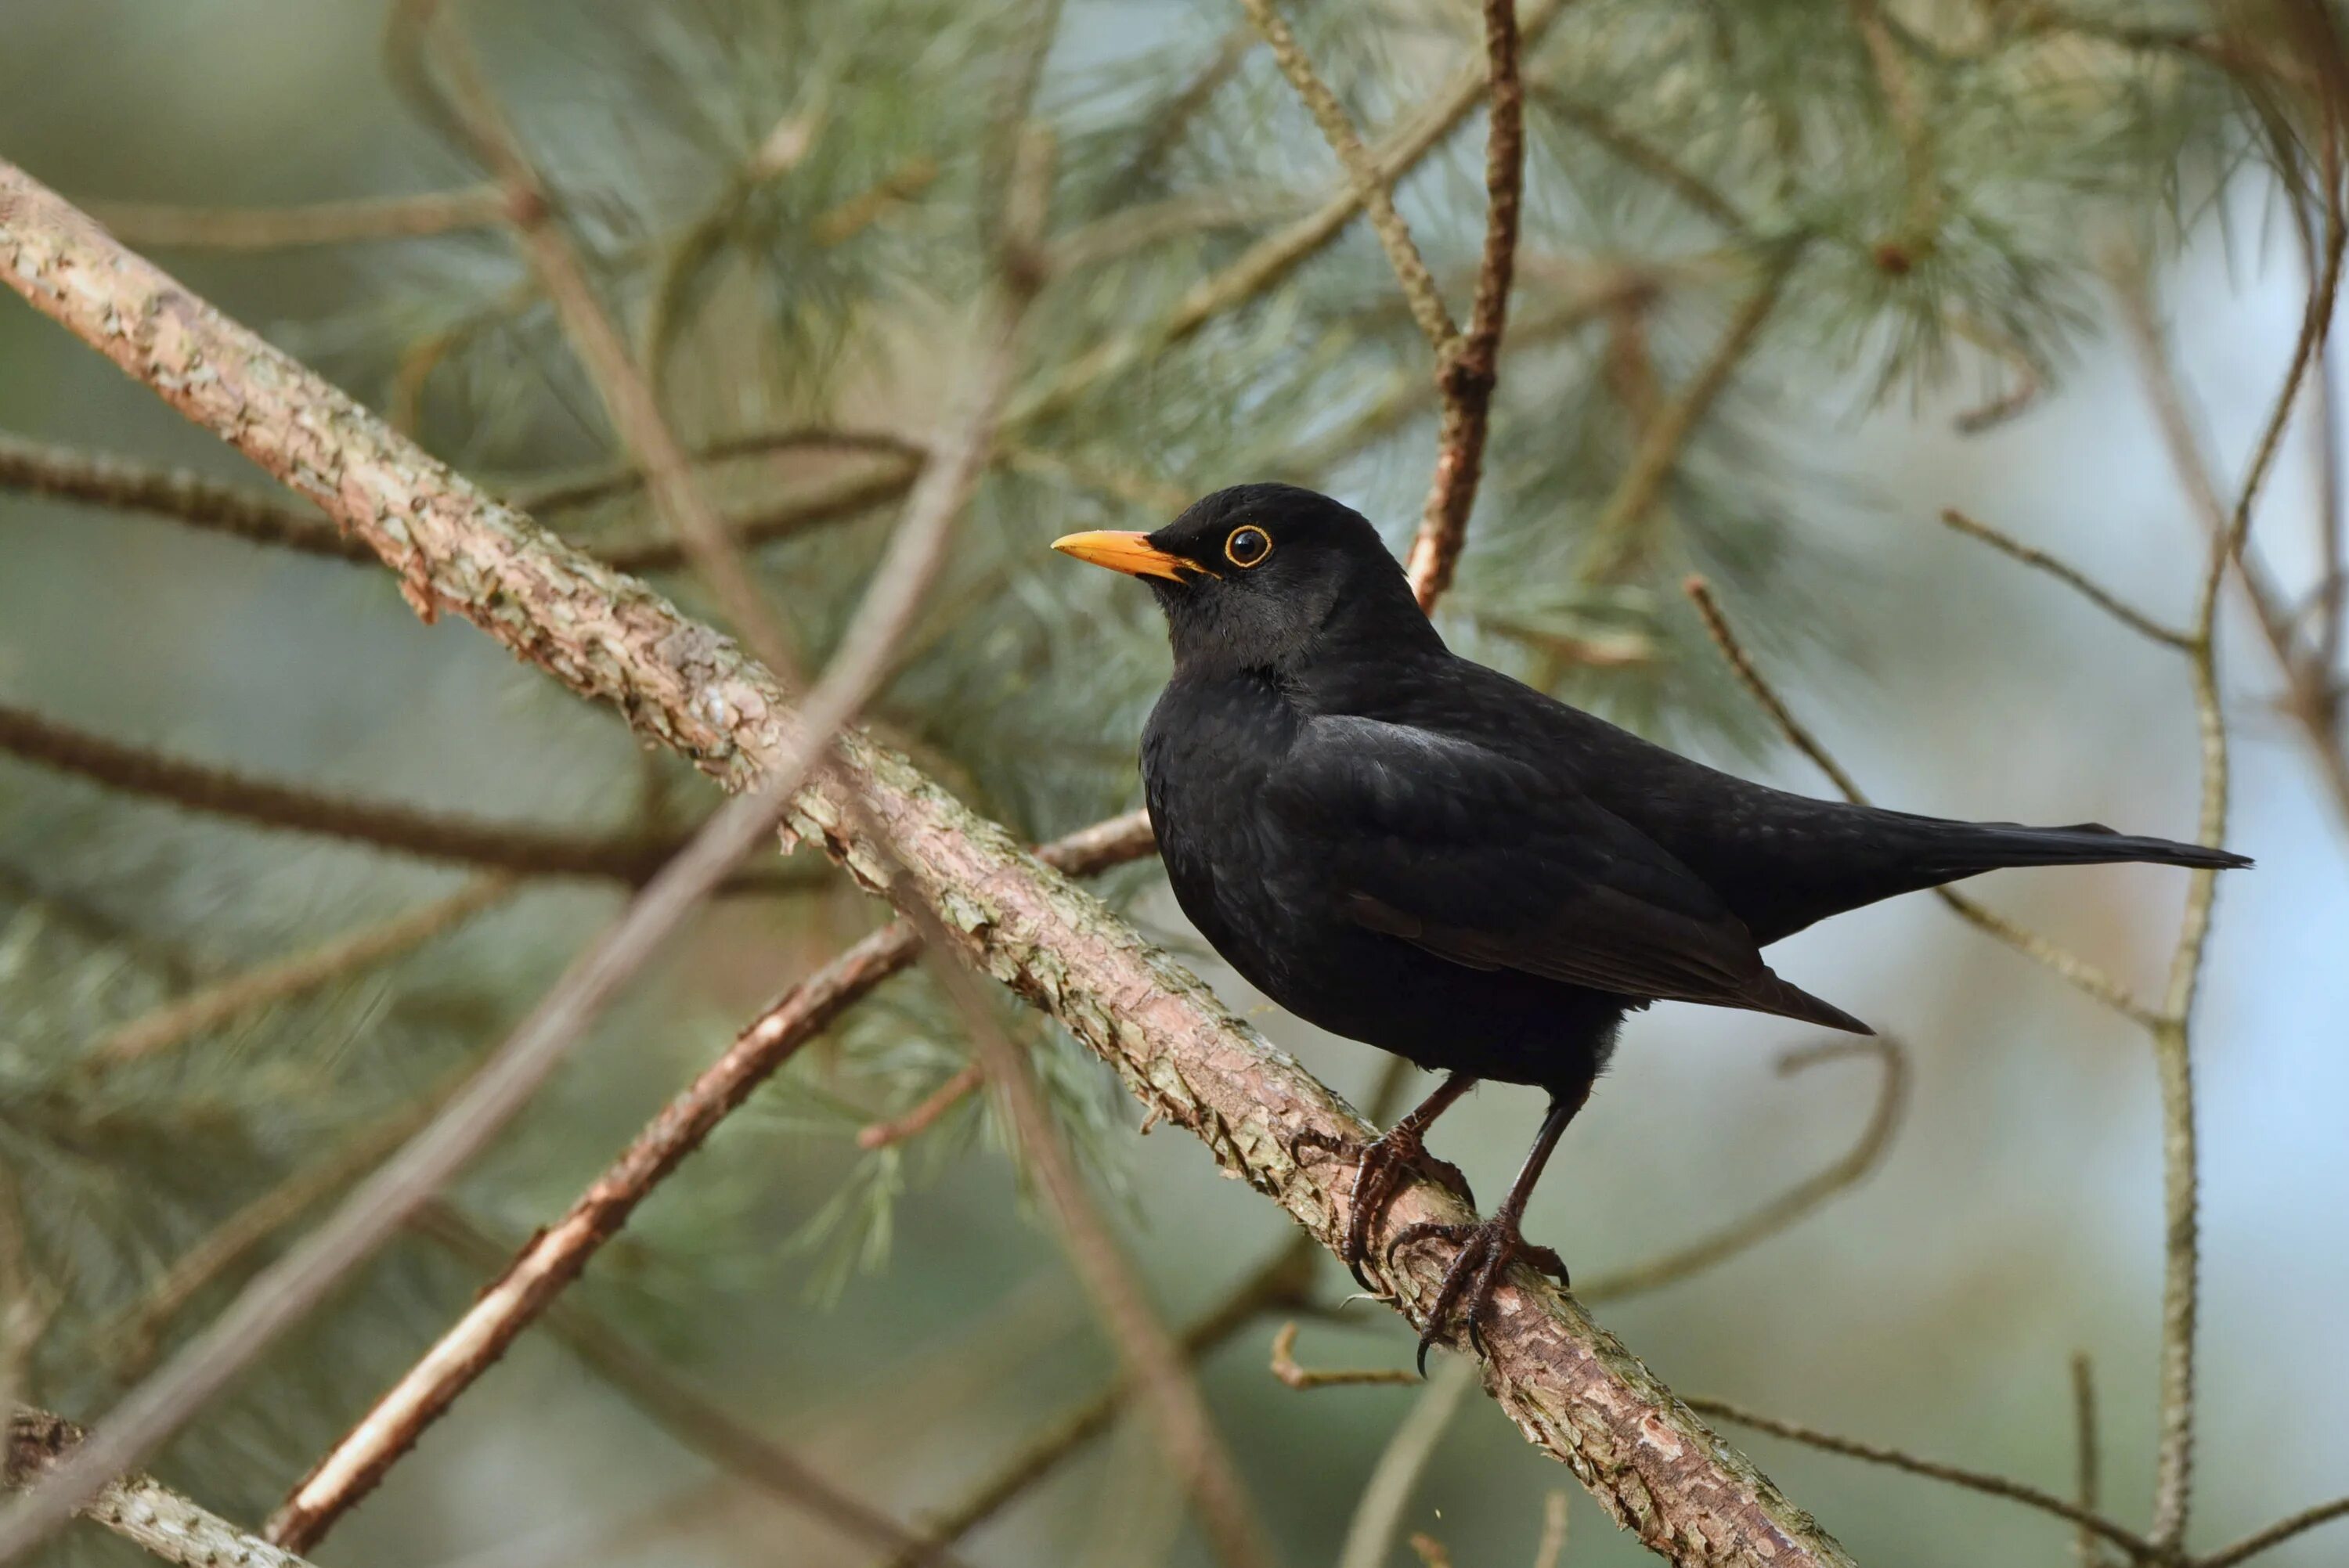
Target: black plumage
point(1410, 850)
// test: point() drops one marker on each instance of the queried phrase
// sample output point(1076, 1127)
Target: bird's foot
point(1485, 1251)
point(1380, 1168)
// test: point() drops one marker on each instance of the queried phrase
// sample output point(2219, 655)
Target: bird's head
point(1266, 576)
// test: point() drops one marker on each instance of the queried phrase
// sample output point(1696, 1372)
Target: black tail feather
point(1988, 846)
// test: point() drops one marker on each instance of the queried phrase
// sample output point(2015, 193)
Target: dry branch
point(266, 803)
point(1570, 1388)
point(1468, 367)
point(169, 226)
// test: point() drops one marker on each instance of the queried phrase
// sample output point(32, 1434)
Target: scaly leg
point(1383, 1164)
point(1487, 1249)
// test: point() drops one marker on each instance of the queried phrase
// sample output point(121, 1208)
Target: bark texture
point(1574, 1391)
point(138, 1508)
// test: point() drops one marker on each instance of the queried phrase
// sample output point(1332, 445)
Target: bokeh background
point(901, 1317)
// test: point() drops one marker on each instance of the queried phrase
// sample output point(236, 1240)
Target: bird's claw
point(1380, 1168)
point(1487, 1249)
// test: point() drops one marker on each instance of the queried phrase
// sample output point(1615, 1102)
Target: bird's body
point(1410, 850)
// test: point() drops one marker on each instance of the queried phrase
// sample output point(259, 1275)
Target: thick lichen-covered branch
point(1568, 1385)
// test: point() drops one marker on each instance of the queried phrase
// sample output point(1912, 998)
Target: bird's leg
point(1485, 1249)
point(1382, 1164)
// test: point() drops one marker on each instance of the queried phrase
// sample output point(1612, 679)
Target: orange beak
point(1127, 551)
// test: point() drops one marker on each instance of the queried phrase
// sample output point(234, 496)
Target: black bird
point(1410, 850)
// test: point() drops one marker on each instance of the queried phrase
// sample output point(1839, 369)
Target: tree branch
point(266, 803)
point(2071, 576)
point(167, 226)
point(1468, 367)
point(138, 1508)
point(1571, 1389)
point(2276, 1535)
point(1363, 173)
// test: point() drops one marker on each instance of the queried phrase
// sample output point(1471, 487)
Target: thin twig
point(271, 983)
point(2030, 1496)
point(104, 480)
point(2071, 576)
point(267, 803)
point(1378, 1513)
point(1781, 1212)
point(2087, 1456)
point(1363, 172)
point(158, 225)
point(1285, 1367)
point(1646, 156)
point(2059, 961)
point(2276, 1535)
point(138, 1508)
point(1468, 367)
point(913, 1123)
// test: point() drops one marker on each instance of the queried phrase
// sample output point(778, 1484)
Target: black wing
point(1487, 862)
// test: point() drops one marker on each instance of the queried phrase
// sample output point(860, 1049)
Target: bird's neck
point(1362, 628)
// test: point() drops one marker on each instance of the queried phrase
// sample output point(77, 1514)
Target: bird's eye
point(1247, 546)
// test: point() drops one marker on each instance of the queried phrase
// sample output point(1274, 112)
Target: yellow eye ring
point(1247, 546)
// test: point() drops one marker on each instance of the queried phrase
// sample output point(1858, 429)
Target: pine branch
point(458, 98)
point(240, 368)
point(168, 226)
point(267, 803)
point(1469, 366)
point(2087, 1457)
point(104, 480)
point(1362, 173)
point(1273, 258)
point(1571, 1387)
point(138, 1508)
point(912, 1124)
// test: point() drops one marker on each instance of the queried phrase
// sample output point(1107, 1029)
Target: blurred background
point(790, 206)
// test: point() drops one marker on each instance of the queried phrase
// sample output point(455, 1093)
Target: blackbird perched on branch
point(1413, 850)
